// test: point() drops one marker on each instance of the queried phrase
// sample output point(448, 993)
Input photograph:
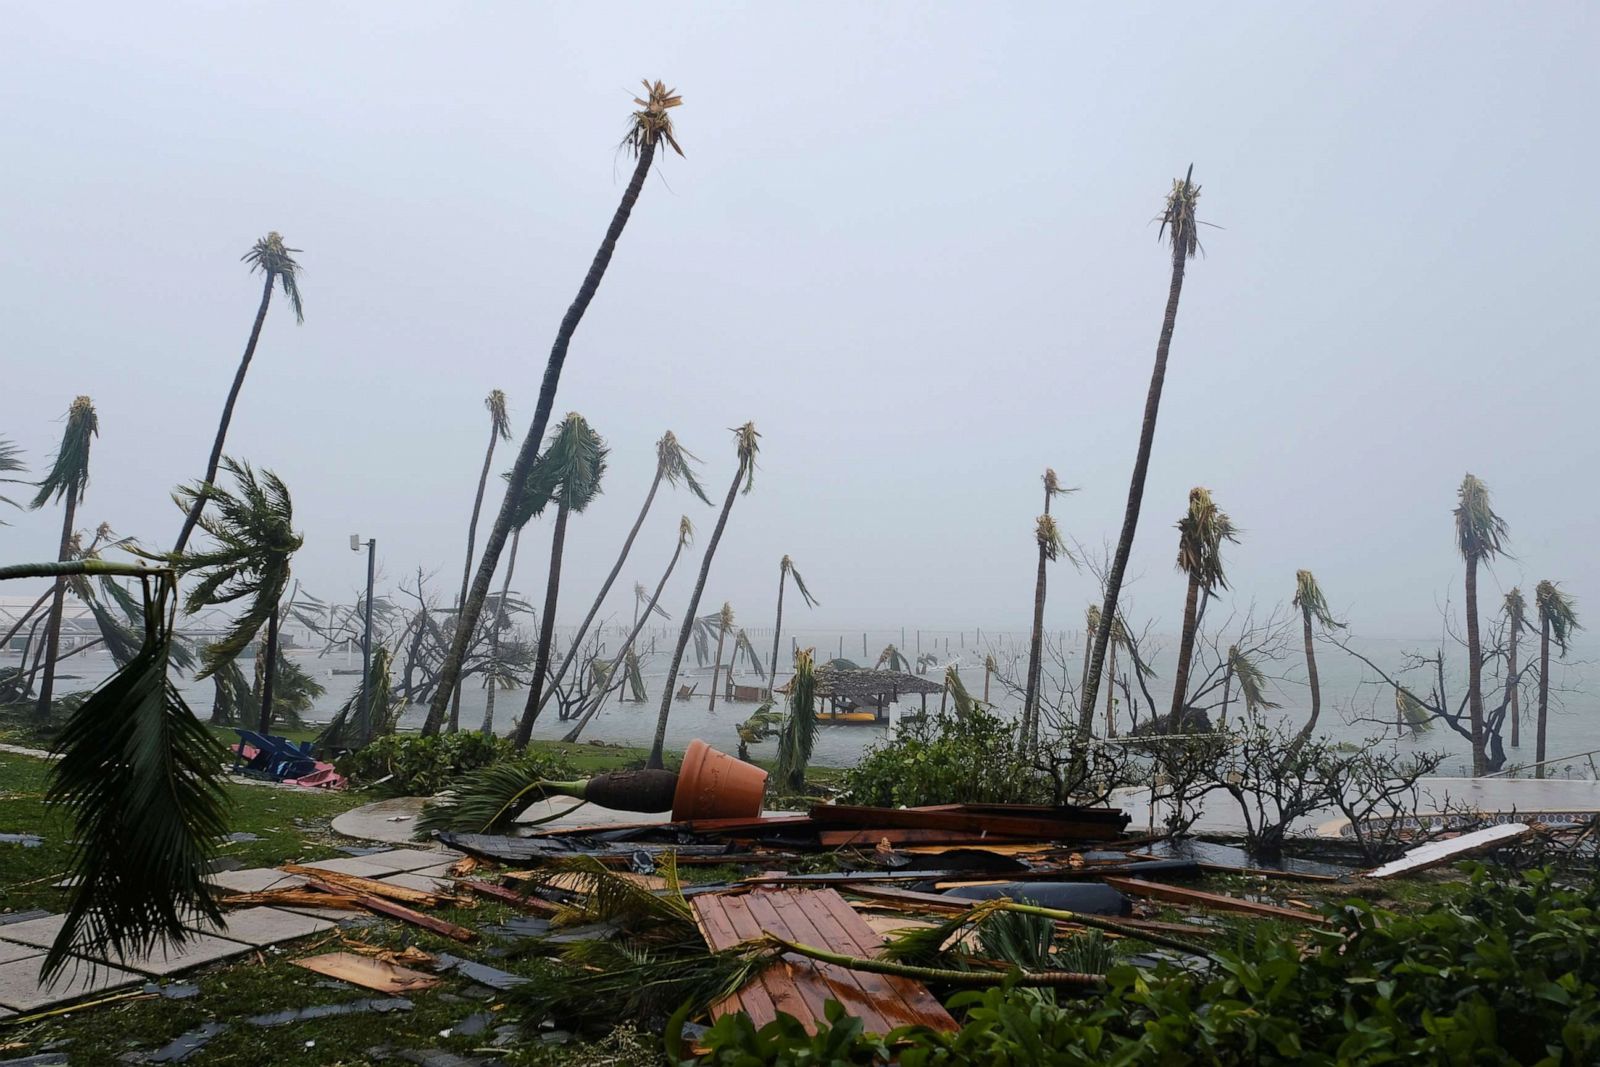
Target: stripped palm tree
point(276, 264)
point(1091, 623)
point(674, 464)
point(744, 648)
point(572, 465)
point(1201, 532)
point(1480, 535)
point(1557, 619)
point(747, 441)
point(1050, 546)
point(685, 536)
point(650, 126)
point(892, 659)
point(1178, 223)
point(724, 624)
point(798, 734)
point(499, 430)
point(785, 569)
point(496, 677)
point(1313, 608)
point(1516, 610)
point(253, 537)
point(66, 481)
point(1241, 668)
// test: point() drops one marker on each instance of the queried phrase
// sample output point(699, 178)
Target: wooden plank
point(1435, 853)
point(368, 973)
point(753, 999)
point(530, 903)
point(811, 986)
point(368, 886)
point(900, 1000)
point(1172, 894)
point(404, 914)
point(291, 898)
point(778, 981)
point(833, 982)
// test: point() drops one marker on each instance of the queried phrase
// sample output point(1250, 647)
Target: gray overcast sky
point(911, 241)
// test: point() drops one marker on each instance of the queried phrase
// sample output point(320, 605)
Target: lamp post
point(366, 635)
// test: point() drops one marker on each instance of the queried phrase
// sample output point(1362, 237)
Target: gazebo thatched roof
point(868, 686)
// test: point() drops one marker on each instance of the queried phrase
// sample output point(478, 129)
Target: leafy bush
point(966, 758)
point(423, 766)
point(1509, 973)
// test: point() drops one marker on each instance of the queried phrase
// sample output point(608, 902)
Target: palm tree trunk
point(1111, 695)
point(655, 761)
point(1180, 675)
point(716, 665)
point(547, 629)
point(466, 570)
point(1512, 693)
point(52, 633)
point(450, 670)
point(1030, 700)
point(1141, 465)
point(1544, 696)
point(487, 729)
point(638, 625)
point(1227, 695)
point(1474, 671)
point(605, 589)
point(271, 669)
point(777, 631)
point(193, 517)
point(1311, 680)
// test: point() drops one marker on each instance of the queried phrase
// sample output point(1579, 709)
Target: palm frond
point(1252, 682)
point(1309, 599)
point(1087, 953)
point(743, 647)
point(799, 733)
point(272, 258)
point(652, 122)
point(69, 471)
point(642, 595)
point(1480, 533)
point(1556, 609)
point(141, 778)
point(749, 445)
point(10, 463)
point(1048, 537)
point(963, 701)
point(1201, 532)
point(488, 800)
point(931, 945)
point(607, 896)
point(1412, 710)
point(634, 675)
point(800, 583)
point(499, 416)
point(233, 702)
point(1178, 216)
point(349, 730)
point(1025, 941)
point(676, 465)
point(891, 658)
point(1516, 609)
point(575, 461)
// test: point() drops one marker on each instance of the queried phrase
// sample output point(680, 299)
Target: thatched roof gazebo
point(847, 689)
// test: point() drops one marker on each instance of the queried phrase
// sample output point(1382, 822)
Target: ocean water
point(1355, 709)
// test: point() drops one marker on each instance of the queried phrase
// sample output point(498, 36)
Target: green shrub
point(947, 759)
point(1507, 973)
point(423, 766)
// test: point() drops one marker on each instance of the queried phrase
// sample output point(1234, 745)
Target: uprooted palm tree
point(1050, 547)
point(748, 444)
point(572, 466)
point(1480, 535)
point(651, 607)
point(499, 430)
point(650, 126)
point(68, 477)
point(798, 734)
point(252, 530)
point(141, 779)
point(1201, 532)
point(1179, 224)
point(1516, 611)
point(1313, 608)
point(1557, 619)
point(276, 264)
point(785, 569)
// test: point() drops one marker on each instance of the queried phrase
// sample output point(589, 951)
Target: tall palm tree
point(1313, 608)
point(673, 465)
point(1178, 223)
point(785, 569)
point(652, 607)
point(1091, 623)
point(1201, 532)
point(68, 477)
point(651, 125)
point(1557, 619)
point(1480, 535)
point(724, 624)
point(748, 442)
point(573, 464)
point(1049, 548)
point(276, 264)
point(499, 430)
point(254, 540)
point(1516, 610)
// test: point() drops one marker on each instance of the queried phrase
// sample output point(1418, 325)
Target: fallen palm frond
point(489, 799)
point(609, 897)
point(743, 647)
point(959, 697)
point(1412, 710)
point(928, 944)
point(634, 674)
point(624, 979)
point(1252, 682)
point(367, 714)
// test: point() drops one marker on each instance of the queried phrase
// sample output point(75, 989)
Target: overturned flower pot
point(710, 785)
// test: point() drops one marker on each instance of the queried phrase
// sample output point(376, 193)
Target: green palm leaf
point(10, 463)
point(799, 732)
point(70, 469)
point(270, 257)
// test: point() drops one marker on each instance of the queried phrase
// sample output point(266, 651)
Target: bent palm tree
point(499, 430)
point(785, 569)
point(1516, 610)
point(1557, 619)
point(748, 441)
point(685, 535)
point(1178, 220)
point(650, 126)
point(1480, 535)
point(1201, 532)
point(1030, 698)
point(68, 477)
point(277, 264)
point(1313, 607)
point(254, 540)
point(573, 464)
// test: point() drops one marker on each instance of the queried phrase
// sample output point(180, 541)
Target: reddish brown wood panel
point(800, 986)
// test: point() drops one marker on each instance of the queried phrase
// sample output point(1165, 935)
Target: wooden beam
point(396, 911)
point(368, 886)
point(1174, 894)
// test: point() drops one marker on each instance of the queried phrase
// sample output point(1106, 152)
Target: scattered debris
point(1435, 853)
point(481, 973)
point(323, 1011)
point(377, 975)
point(183, 1046)
point(1136, 887)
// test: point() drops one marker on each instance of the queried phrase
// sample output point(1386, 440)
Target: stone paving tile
point(195, 951)
point(362, 867)
point(422, 883)
point(11, 950)
point(40, 933)
point(438, 871)
point(256, 880)
point(403, 859)
point(266, 926)
point(20, 989)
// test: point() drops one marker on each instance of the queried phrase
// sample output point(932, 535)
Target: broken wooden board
point(526, 902)
point(800, 986)
point(1174, 894)
point(1435, 853)
point(368, 973)
point(355, 885)
point(392, 910)
point(291, 898)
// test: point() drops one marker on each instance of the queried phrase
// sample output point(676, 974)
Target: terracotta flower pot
point(714, 785)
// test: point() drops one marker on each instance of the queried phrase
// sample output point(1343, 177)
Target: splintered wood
point(799, 986)
point(372, 974)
